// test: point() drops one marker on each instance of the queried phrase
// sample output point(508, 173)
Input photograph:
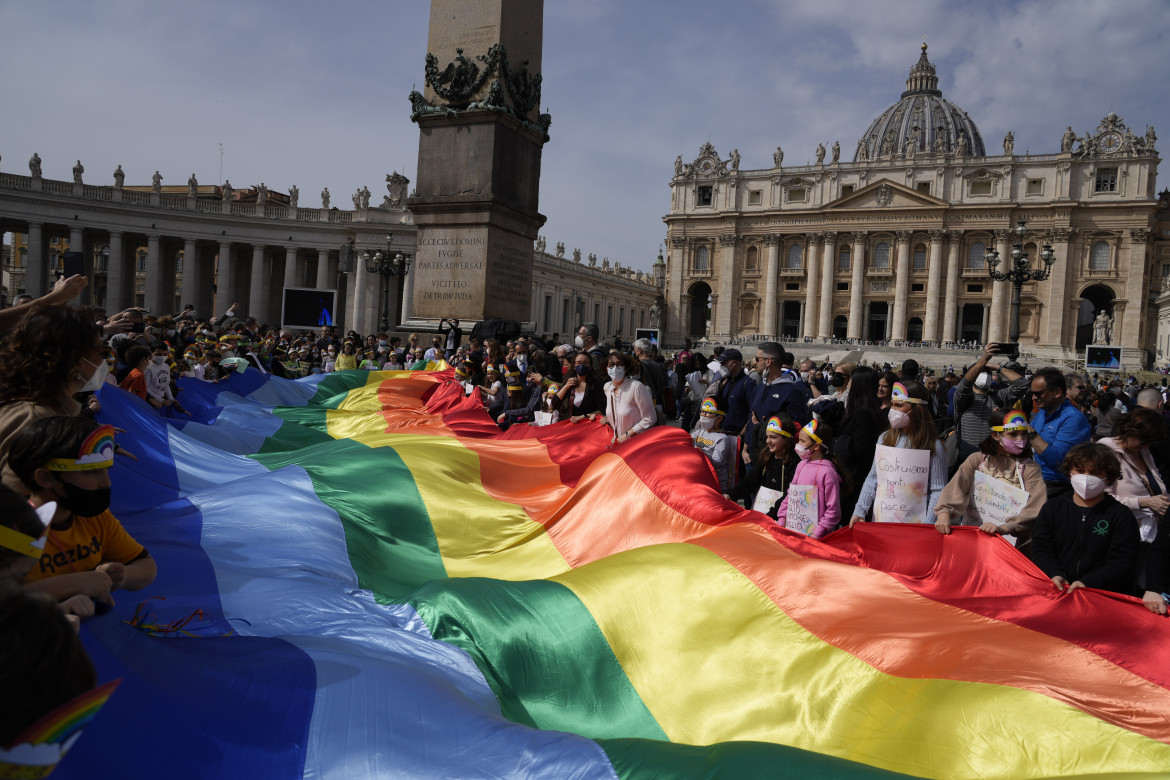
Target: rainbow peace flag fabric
point(360, 576)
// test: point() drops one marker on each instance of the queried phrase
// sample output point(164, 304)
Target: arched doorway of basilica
point(1094, 299)
point(840, 326)
point(700, 293)
point(879, 313)
point(971, 323)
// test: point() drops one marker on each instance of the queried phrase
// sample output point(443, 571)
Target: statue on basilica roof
point(836, 151)
point(34, 165)
point(820, 154)
point(192, 186)
point(325, 198)
point(1066, 140)
point(156, 182)
point(119, 177)
point(294, 195)
point(1009, 143)
point(961, 145)
point(778, 157)
point(734, 162)
point(77, 171)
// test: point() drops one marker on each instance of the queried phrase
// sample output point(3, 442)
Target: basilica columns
point(901, 286)
point(824, 322)
point(809, 320)
point(1057, 283)
point(856, 297)
point(951, 304)
point(722, 324)
point(1136, 244)
point(772, 270)
point(1000, 291)
point(258, 290)
point(933, 277)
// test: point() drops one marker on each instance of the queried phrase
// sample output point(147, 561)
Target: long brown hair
point(40, 356)
point(921, 431)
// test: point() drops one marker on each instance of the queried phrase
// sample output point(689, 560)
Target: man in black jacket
point(452, 336)
point(1089, 540)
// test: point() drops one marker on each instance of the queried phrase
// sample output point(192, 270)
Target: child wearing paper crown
point(67, 460)
point(817, 471)
point(719, 447)
point(1004, 455)
point(766, 484)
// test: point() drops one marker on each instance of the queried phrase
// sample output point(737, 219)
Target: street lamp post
point(1017, 273)
point(386, 264)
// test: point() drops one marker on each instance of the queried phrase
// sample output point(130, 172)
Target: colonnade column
point(408, 299)
point(1053, 335)
point(722, 325)
point(258, 290)
point(951, 304)
point(772, 269)
point(1000, 291)
point(192, 271)
point(36, 274)
point(857, 258)
point(901, 286)
point(824, 322)
point(154, 271)
point(77, 244)
point(291, 278)
point(225, 280)
point(325, 280)
point(933, 278)
point(985, 332)
point(116, 275)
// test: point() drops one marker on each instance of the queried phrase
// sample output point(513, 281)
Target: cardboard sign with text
point(802, 509)
point(766, 498)
point(994, 501)
point(903, 478)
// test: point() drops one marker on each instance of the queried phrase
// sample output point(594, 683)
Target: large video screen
point(306, 307)
point(1102, 358)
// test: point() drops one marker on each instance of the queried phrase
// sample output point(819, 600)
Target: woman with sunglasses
point(1006, 456)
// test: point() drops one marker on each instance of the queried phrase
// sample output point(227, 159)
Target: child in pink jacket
point(816, 474)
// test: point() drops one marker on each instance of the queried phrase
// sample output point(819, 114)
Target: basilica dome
point(922, 122)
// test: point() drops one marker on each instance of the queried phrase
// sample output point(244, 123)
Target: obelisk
point(480, 140)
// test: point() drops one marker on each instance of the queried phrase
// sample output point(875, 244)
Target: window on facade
point(795, 256)
point(919, 258)
point(1106, 180)
point(980, 188)
point(881, 255)
point(797, 195)
point(974, 288)
point(919, 287)
point(179, 263)
point(755, 197)
point(1035, 186)
point(53, 260)
point(1165, 269)
point(791, 286)
point(924, 187)
point(104, 260)
point(1099, 257)
point(751, 260)
point(846, 189)
point(141, 261)
point(842, 286)
point(18, 258)
point(704, 196)
point(976, 255)
point(139, 300)
point(843, 259)
point(702, 259)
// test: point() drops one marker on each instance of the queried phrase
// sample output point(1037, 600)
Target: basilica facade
point(892, 246)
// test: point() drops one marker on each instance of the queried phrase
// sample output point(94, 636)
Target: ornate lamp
point(1019, 272)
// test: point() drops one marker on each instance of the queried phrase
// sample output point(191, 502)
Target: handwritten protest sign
point(544, 418)
point(994, 501)
point(802, 509)
point(766, 498)
point(903, 477)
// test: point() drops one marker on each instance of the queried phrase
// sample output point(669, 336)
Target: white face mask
point(579, 343)
point(707, 423)
point(803, 376)
point(899, 419)
point(95, 381)
point(617, 373)
point(1087, 486)
point(160, 359)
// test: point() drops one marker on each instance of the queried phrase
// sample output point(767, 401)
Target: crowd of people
point(802, 443)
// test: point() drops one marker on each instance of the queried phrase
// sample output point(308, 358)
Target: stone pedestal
point(478, 185)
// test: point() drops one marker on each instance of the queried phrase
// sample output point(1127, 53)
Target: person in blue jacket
point(1057, 427)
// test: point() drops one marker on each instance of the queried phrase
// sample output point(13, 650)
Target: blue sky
point(315, 94)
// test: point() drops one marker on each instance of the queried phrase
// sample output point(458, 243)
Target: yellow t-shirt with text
point(87, 543)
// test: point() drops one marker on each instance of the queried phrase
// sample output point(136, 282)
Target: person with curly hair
point(52, 354)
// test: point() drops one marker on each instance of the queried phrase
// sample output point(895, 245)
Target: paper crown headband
point(1013, 421)
point(710, 407)
point(775, 426)
point(43, 744)
point(811, 430)
point(97, 452)
point(14, 540)
point(899, 394)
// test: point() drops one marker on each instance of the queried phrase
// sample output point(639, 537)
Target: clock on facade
point(1110, 142)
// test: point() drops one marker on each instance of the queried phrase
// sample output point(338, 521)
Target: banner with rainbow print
point(360, 576)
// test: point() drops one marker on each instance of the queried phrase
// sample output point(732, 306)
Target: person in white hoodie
point(158, 380)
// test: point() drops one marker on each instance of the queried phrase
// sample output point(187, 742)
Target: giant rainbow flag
point(362, 577)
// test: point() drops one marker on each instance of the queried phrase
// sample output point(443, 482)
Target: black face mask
point(837, 380)
point(581, 370)
point(85, 503)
